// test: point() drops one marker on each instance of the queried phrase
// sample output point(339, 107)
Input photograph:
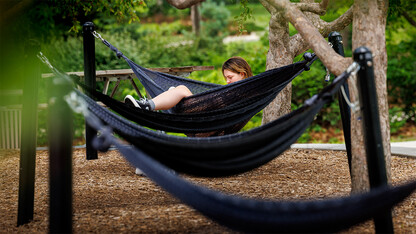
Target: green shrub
point(401, 75)
point(398, 118)
point(214, 18)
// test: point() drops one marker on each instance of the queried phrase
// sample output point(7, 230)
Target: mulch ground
point(109, 197)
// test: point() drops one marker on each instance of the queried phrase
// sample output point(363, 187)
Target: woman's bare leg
point(170, 98)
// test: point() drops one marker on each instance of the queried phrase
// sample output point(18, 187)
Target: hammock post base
point(335, 39)
point(28, 137)
point(372, 132)
point(89, 72)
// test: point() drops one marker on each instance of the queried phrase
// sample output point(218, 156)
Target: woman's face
point(232, 77)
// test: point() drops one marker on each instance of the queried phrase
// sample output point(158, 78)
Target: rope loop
point(355, 106)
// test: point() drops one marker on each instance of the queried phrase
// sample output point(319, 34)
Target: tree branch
point(298, 45)
point(311, 7)
point(408, 18)
point(267, 5)
point(334, 62)
point(340, 23)
point(183, 4)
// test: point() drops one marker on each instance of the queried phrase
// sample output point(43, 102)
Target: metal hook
point(97, 35)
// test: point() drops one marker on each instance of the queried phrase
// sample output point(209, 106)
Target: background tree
point(196, 19)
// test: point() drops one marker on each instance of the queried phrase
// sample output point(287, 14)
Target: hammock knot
point(308, 56)
point(103, 141)
point(119, 54)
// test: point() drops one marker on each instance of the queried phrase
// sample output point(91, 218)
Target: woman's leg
point(170, 98)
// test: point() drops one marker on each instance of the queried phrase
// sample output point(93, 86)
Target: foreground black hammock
point(220, 155)
point(221, 108)
point(262, 216)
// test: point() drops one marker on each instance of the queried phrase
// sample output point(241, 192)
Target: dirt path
point(109, 197)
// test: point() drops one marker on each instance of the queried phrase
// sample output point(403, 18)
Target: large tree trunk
point(369, 22)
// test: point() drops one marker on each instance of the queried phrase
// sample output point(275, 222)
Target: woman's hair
point(237, 65)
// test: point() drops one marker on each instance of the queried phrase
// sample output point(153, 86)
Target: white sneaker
point(143, 103)
point(131, 101)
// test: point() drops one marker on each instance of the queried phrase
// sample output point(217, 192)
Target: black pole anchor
point(372, 132)
point(89, 75)
point(335, 39)
point(28, 137)
point(60, 157)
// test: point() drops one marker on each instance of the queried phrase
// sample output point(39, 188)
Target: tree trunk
point(277, 56)
point(369, 22)
point(196, 19)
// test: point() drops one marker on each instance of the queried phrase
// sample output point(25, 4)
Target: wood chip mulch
point(109, 197)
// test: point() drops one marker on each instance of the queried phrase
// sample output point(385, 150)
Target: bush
point(401, 75)
point(214, 18)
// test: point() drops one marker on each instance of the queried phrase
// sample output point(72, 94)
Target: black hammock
point(262, 216)
point(220, 155)
point(221, 108)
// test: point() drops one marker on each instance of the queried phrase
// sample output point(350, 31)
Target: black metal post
point(28, 136)
point(372, 132)
point(60, 127)
point(335, 39)
point(89, 75)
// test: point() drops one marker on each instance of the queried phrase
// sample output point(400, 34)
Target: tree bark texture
point(196, 19)
point(183, 4)
point(277, 56)
point(369, 23)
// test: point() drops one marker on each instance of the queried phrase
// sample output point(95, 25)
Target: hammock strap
point(105, 42)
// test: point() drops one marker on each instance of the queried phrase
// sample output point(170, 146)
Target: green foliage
point(64, 17)
point(398, 7)
point(249, 17)
point(398, 118)
point(215, 18)
point(401, 70)
point(245, 14)
point(308, 83)
point(254, 122)
point(336, 9)
point(42, 136)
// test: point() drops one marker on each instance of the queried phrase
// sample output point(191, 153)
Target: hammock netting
point(213, 109)
point(222, 121)
point(220, 155)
